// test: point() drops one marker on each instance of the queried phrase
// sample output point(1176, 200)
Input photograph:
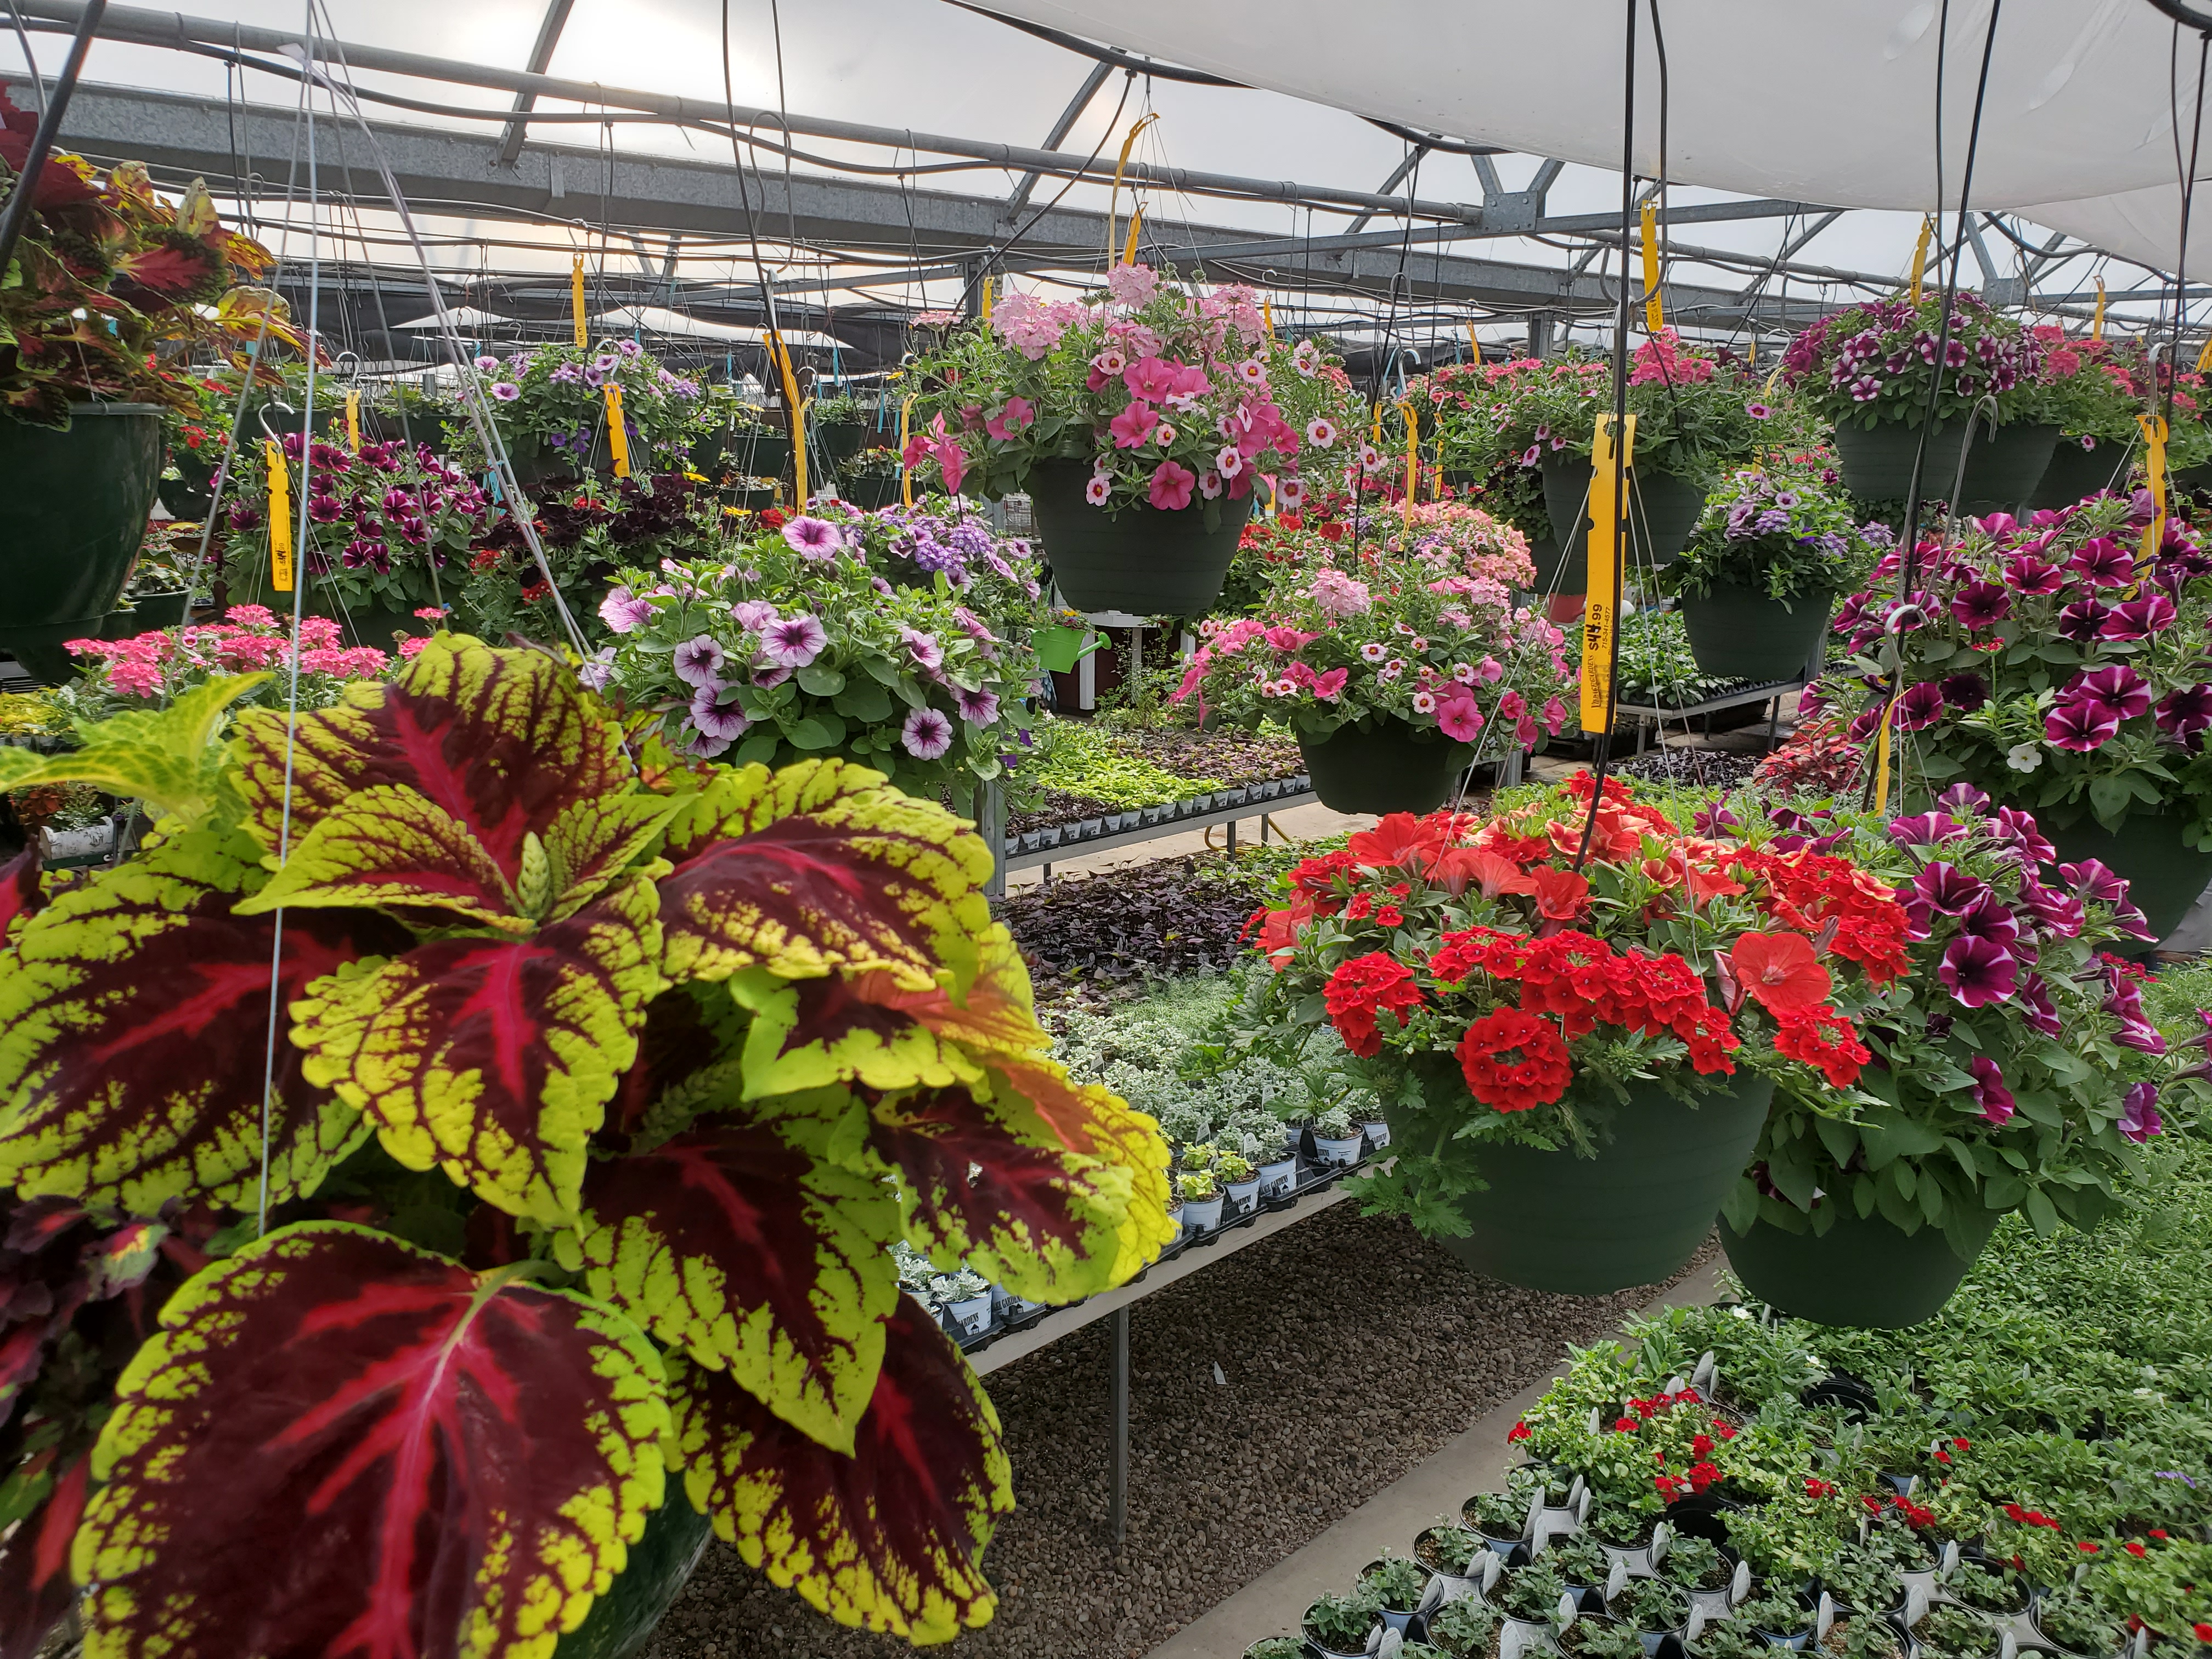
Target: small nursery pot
point(1242, 1195)
point(1339, 1152)
point(1201, 1215)
point(972, 1316)
point(1276, 1179)
point(1376, 1131)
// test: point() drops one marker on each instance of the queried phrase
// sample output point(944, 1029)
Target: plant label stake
point(1474, 347)
point(280, 517)
point(1824, 1618)
point(906, 472)
point(1602, 603)
point(1413, 459)
point(1920, 255)
point(617, 437)
point(1740, 1582)
point(1616, 1579)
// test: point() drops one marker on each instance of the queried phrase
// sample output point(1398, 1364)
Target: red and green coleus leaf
point(22, 886)
point(171, 758)
point(492, 1057)
point(889, 1537)
point(442, 1463)
point(819, 867)
point(502, 741)
point(35, 1591)
point(982, 1180)
point(757, 1257)
point(134, 1036)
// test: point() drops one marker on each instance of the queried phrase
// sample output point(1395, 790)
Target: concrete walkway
point(1273, 1604)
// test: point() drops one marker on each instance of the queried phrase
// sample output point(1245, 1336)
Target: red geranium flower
point(1518, 1431)
point(1537, 1078)
point(1781, 970)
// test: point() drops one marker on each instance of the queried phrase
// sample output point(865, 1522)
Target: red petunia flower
point(1781, 971)
point(1561, 895)
point(2136, 1549)
point(1537, 1078)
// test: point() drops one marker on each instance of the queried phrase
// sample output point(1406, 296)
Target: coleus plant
point(1499, 993)
point(2022, 1074)
point(606, 1086)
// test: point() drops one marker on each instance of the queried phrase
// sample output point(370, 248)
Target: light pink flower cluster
point(1479, 545)
point(249, 640)
point(1033, 326)
point(1340, 595)
point(1661, 360)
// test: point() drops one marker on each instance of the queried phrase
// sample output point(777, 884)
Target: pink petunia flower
point(927, 734)
point(1171, 487)
point(794, 641)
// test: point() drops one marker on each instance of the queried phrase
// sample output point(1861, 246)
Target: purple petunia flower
point(2185, 713)
point(1978, 973)
point(698, 662)
point(813, 538)
point(2139, 618)
point(753, 614)
point(2037, 578)
point(2018, 829)
point(2117, 686)
point(2094, 882)
point(1990, 1094)
point(2035, 1005)
point(624, 612)
point(1992, 920)
point(927, 734)
point(1950, 889)
point(704, 747)
point(923, 648)
point(2104, 564)
point(716, 720)
point(2083, 620)
point(1924, 829)
point(1922, 705)
point(1965, 692)
point(1964, 799)
point(2139, 1118)
point(794, 641)
point(2080, 727)
point(1714, 819)
point(505, 391)
point(2052, 911)
point(1981, 604)
point(978, 707)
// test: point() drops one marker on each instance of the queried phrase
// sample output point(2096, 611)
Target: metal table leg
point(1118, 1500)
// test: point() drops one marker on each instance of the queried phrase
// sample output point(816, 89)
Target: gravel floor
point(1353, 1350)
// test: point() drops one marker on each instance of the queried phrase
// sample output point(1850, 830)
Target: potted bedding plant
point(1861, 1580)
point(1466, 1627)
point(963, 1297)
point(1862, 1638)
point(1580, 1561)
point(1949, 1631)
point(2077, 1623)
point(1200, 1192)
point(1338, 1625)
point(2019, 1073)
point(106, 278)
point(2091, 390)
point(1654, 1607)
point(2056, 669)
point(1337, 1139)
point(603, 1086)
point(1389, 664)
point(1138, 419)
point(1400, 1584)
point(1702, 1569)
point(1454, 1547)
point(1500, 1519)
point(1576, 1063)
point(1780, 1615)
point(1239, 1179)
point(1594, 1635)
point(1868, 369)
point(1533, 1598)
point(1759, 577)
point(548, 407)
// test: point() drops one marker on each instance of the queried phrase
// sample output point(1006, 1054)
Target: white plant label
point(1739, 1585)
point(1616, 1580)
point(1824, 1618)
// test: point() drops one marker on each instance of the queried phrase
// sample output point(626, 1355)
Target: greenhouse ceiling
point(930, 143)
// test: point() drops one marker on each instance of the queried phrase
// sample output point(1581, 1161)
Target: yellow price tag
point(988, 284)
point(576, 301)
point(1113, 201)
point(280, 516)
point(1654, 317)
point(2097, 322)
point(353, 420)
point(1882, 753)
point(1136, 225)
point(1920, 255)
point(2204, 359)
point(1474, 345)
point(1413, 458)
point(906, 472)
point(618, 434)
point(2155, 436)
point(1601, 601)
point(1267, 317)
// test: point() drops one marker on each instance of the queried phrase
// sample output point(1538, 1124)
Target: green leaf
point(1888, 1138)
point(820, 680)
point(2042, 1214)
point(170, 758)
point(868, 703)
point(816, 731)
point(1841, 1139)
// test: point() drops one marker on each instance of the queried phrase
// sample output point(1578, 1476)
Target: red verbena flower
point(1537, 1078)
point(1361, 986)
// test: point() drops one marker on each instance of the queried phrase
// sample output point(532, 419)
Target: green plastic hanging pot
point(841, 440)
point(1389, 768)
point(871, 490)
point(2002, 469)
point(144, 614)
point(661, 1562)
point(539, 462)
point(1865, 1272)
point(1663, 510)
point(1144, 560)
point(1740, 634)
point(1631, 1215)
point(2075, 472)
point(2164, 874)
point(73, 508)
point(1558, 570)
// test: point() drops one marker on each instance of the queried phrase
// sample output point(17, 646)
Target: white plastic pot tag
point(1824, 1618)
point(1739, 1585)
point(1616, 1580)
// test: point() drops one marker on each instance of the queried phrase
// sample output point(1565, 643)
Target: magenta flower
point(2052, 911)
point(1922, 705)
point(1978, 973)
point(2139, 1118)
point(1329, 687)
point(923, 648)
point(1950, 889)
point(1990, 920)
point(1981, 604)
point(2083, 620)
point(2118, 687)
point(2018, 829)
point(793, 641)
point(2104, 564)
point(926, 735)
point(2094, 882)
point(2035, 1005)
point(698, 662)
point(1924, 829)
point(753, 614)
point(1964, 799)
point(1150, 380)
point(2080, 727)
point(978, 707)
point(1133, 426)
point(1990, 1094)
point(1458, 718)
point(813, 538)
point(2185, 713)
point(2139, 618)
point(2037, 578)
point(715, 721)
point(1171, 487)
point(1009, 422)
point(1965, 691)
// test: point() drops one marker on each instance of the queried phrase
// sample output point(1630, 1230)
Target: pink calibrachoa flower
point(794, 641)
point(1209, 485)
point(1171, 486)
point(1320, 432)
point(1133, 426)
point(1230, 462)
point(926, 735)
point(1099, 490)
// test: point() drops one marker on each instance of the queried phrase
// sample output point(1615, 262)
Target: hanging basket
point(1865, 1272)
point(73, 508)
point(661, 1562)
point(2164, 874)
point(1631, 1215)
point(144, 614)
point(2002, 469)
point(1391, 767)
point(2075, 472)
point(1142, 561)
point(871, 491)
point(1559, 570)
point(1738, 633)
point(1663, 511)
point(841, 440)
